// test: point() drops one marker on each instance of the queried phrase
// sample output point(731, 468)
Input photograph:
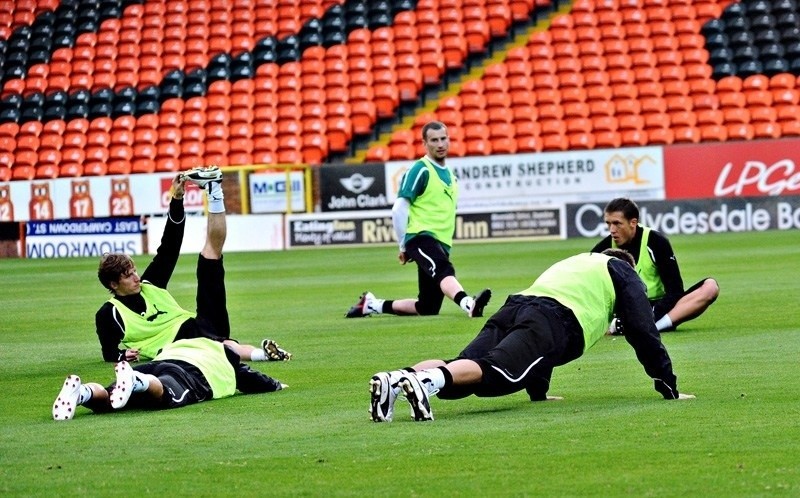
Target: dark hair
point(112, 267)
point(627, 207)
point(620, 254)
point(432, 125)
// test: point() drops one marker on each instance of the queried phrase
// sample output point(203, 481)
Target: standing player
point(551, 323)
point(657, 267)
point(424, 218)
point(141, 317)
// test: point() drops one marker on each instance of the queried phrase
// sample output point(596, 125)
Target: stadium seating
point(119, 86)
point(664, 72)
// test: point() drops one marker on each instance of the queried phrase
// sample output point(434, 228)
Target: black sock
point(459, 297)
point(387, 307)
point(448, 377)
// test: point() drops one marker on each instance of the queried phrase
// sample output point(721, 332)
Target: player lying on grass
point(554, 321)
point(141, 317)
point(185, 372)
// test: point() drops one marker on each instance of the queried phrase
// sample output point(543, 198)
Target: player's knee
point(710, 290)
point(427, 309)
point(445, 272)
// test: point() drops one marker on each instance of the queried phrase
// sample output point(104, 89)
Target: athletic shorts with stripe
point(433, 265)
point(519, 346)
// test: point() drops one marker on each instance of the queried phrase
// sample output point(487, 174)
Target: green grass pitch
point(613, 435)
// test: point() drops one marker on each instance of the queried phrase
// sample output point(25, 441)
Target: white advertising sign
point(550, 178)
point(245, 233)
point(268, 192)
point(82, 238)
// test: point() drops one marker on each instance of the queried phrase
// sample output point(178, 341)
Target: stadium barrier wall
point(500, 196)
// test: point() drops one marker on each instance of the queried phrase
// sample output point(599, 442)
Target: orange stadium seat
point(607, 139)
point(583, 140)
point(713, 133)
point(378, 153)
point(702, 86)
point(529, 144)
point(790, 128)
point(710, 117)
point(735, 115)
point(554, 142)
point(740, 131)
point(478, 147)
point(633, 137)
point(787, 113)
point(703, 101)
point(763, 114)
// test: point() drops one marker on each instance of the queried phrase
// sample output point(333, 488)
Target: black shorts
point(520, 345)
point(183, 383)
point(433, 265)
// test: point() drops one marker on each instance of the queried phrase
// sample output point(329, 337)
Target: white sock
point(394, 378)
point(467, 303)
point(216, 199)
point(258, 355)
point(374, 305)
point(140, 382)
point(84, 395)
point(664, 323)
point(435, 378)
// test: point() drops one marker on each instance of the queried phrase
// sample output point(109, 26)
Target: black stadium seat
point(745, 53)
point(101, 103)
point(9, 108)
point(722, 70)
point(310, 34)
point(749, 68)
point(741, 38)
point(110, 8)
point(767, 36)
point(242, 67)
point(147, 100)
point(78, 105)
point(195, 84)
point(265, 51)
point(124, 102)
point(289, 49)
point(55, 105)
point(776, 66)
point(380, 14)
point(713, 27)
point(782, 6)
point(717, 40)
point(720, 54)
point(219, 68)
point(32, 108)
point(334, 26)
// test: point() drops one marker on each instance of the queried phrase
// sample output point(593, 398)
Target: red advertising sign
point(735, 169)
point(192, 198)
